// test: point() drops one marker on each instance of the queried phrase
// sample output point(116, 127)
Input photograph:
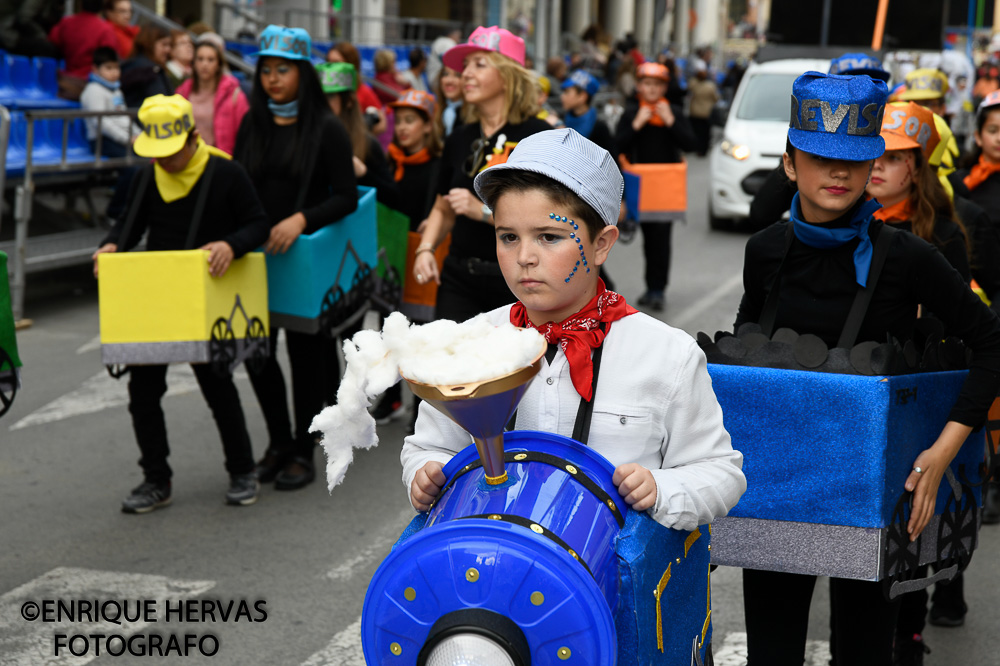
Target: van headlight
point(738, 151)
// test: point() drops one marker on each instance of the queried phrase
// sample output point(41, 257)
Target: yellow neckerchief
point(174, 186)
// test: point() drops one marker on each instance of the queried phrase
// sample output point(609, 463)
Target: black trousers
point(146, 386)
point(656, 249)
point(307, 354)
point(776, 606)
point(702, 128)
point(949, 596)
point(464, 294)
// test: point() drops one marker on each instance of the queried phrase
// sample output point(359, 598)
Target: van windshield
point(767, 97)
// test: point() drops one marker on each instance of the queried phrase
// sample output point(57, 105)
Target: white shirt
point(654, 405)
point(96, 97)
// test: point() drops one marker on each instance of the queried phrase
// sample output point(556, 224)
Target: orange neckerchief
point(900, 211)
point(402, 160)
point(654, 120)
point(979, 173)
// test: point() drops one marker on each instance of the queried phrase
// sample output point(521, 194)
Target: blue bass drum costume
point(551, 567)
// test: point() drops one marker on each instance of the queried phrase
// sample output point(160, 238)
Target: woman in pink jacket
point(216, 99)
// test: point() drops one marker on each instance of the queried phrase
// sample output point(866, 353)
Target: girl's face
point(161, 50)
point(280, 79)
point(988, 138)
point(206, 63)
point(451, 84)
point(183, 50)
point(827, 188)
point(121, 13)
point(481, 81)
point(650, 89)
point(538, 255)
point(893, 176)
point(411, 129)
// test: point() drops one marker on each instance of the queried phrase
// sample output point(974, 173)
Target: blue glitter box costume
point(552, 565)
point(826, 456)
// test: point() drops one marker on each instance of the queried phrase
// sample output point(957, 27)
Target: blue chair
point(47, 143)
point(367, 54)
point(48, 82)
point(77, 147)
point(24, 76)
point(8, 94)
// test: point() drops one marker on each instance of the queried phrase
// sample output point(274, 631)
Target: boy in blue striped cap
point(649, 403)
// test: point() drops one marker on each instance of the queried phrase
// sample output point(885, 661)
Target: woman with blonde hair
point(500, 108)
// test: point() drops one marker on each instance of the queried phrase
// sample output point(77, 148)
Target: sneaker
point(654, 300)
point(991, 504)
point(388, 410)
point(909, 651)
point(243, 489)
point(146, 497)
point(945, 617)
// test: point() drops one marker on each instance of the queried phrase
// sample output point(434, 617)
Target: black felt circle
point(861, 357)
point(810, 351)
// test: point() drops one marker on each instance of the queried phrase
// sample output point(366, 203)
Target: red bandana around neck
point(578, 334)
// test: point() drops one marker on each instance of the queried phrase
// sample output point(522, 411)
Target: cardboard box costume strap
point(144, 321)
point(10, 363)
point(826, 452)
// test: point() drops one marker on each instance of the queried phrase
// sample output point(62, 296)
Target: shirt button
point(549, 381)
point(622, 420)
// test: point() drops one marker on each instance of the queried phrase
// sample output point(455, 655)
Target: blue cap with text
point(859, 63)
point(282, 42)
point(838, 117)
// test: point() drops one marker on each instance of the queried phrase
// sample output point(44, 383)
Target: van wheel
point(716, 223)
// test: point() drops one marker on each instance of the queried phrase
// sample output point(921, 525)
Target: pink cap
point(492, 38)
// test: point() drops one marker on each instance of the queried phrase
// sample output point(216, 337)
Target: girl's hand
point(359, 168)
point(636, 484)
point(425, 268)
point(464, 202)
point(924, 486)
point(220, 256)
point(664, 111)
point(284, 233)
point(107, 247)
point(641, 118)
point(427, 485)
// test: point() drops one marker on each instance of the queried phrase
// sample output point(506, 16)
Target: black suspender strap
point(584, 413)
point(133, 210)
point(199, 206)
point(849, 334)
point(770, 310)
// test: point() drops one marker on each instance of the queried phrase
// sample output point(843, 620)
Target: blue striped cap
point(566, 157)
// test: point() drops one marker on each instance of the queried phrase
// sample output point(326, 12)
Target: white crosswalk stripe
point(32, 643)
point(343, 650)
point(733, 651)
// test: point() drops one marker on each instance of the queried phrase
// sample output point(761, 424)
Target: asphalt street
point(300, 560)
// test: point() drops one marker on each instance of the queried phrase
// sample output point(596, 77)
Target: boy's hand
point(664, 111)
point(642, 117)
point(284, 233)
point(220, 255)
point(107, 247)
point(426, 485)
point(636, 484)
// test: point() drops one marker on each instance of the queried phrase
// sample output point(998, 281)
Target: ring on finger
point(918, 470)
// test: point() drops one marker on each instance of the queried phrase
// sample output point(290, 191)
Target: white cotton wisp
point(442, 352)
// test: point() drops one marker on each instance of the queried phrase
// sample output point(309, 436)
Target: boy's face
point(538, 255)
point(651, 89)
point(573, 99)
point(109, 71)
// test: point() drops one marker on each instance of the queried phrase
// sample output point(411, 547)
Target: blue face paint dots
point(579, 243)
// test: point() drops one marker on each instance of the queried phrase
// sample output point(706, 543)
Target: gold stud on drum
point(536, 528)
point(564, 653)
point(520, 456)
point(409, 594)
point(573, 553)
point(571, 469)
point(472, 575)
point(395, 649)
point(537, 598)
point(494, 516)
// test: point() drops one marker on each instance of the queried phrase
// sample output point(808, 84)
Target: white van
point(754, 137)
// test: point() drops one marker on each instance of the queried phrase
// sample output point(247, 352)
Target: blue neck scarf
point(824, 236)
point(110, 85)
point(583, 124)
point(286, 110)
